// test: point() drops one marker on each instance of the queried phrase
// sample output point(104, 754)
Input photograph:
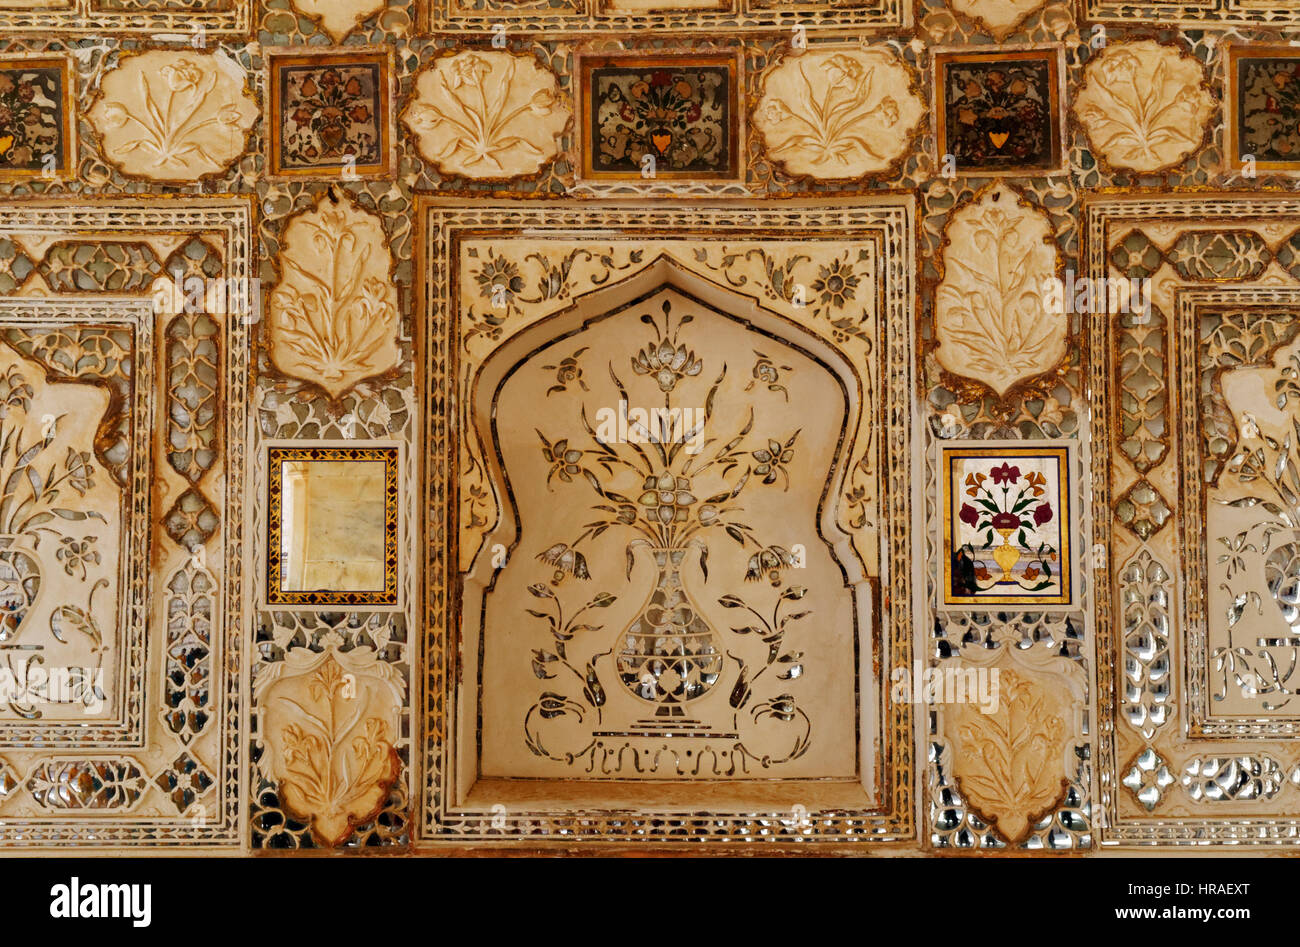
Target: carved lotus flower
point(333, 316)
point(990, 311)
point(838, 114)
point(1144, 106)
point(173, 116)
point(487, 115)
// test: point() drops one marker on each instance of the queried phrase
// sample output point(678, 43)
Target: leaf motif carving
point(338, 18)
point(173, 116)
point(991, 316)
point(328, 722)
point(838, 114)
point(333, 316)
point(1001, 17)
point(1009, 763)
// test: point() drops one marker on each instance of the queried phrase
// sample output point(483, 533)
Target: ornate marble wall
point(866, 425)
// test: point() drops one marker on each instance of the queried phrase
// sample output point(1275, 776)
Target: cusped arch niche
point(666, 610)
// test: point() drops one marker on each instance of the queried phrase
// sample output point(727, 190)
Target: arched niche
point(666, 608)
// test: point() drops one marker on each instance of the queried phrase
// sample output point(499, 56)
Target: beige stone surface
point(166, 115)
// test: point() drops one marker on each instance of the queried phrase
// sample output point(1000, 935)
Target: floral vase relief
point(47, 565)
point(1005, 535)
point(667, 516)
point(487, 115)
point(838, 115)
point(1144, 105)
point(333, 317)
point(993, 319)
point(173, 116)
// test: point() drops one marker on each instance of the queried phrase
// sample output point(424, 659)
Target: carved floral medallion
point(338, 18)
point(487, 115)
point(999, 17)
point(1012, 755)
point(838, 114)
point(173, 116)
point(329, 722)
point(1144, 106)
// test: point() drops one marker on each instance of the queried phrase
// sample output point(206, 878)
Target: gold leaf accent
point(333, 316)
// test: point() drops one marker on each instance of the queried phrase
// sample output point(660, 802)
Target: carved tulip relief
point(487, 115)
point(838, 114)
point(173, 116)
point(333, 316)
point(1144, 106)
point(992, 310)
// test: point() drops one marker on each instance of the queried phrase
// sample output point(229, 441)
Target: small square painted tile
point(1000, 112)
point(330, 115)
point(1264, 106)
point(35, 118)
point(649, 117)
point(1006, 526)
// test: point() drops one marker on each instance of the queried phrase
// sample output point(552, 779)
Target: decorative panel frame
point(1266, 14)
point(622, 239)
point(144, 17)
point(573, 17)
point(1174, 770)
point(174, 781)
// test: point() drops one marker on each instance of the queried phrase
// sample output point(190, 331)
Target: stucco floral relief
point(838, 114)
point(991, 315)
point(333, 316)
point(487, 115)
point(173, 116)
point(1144, 106)
point(999, 17)
point(338, 18)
